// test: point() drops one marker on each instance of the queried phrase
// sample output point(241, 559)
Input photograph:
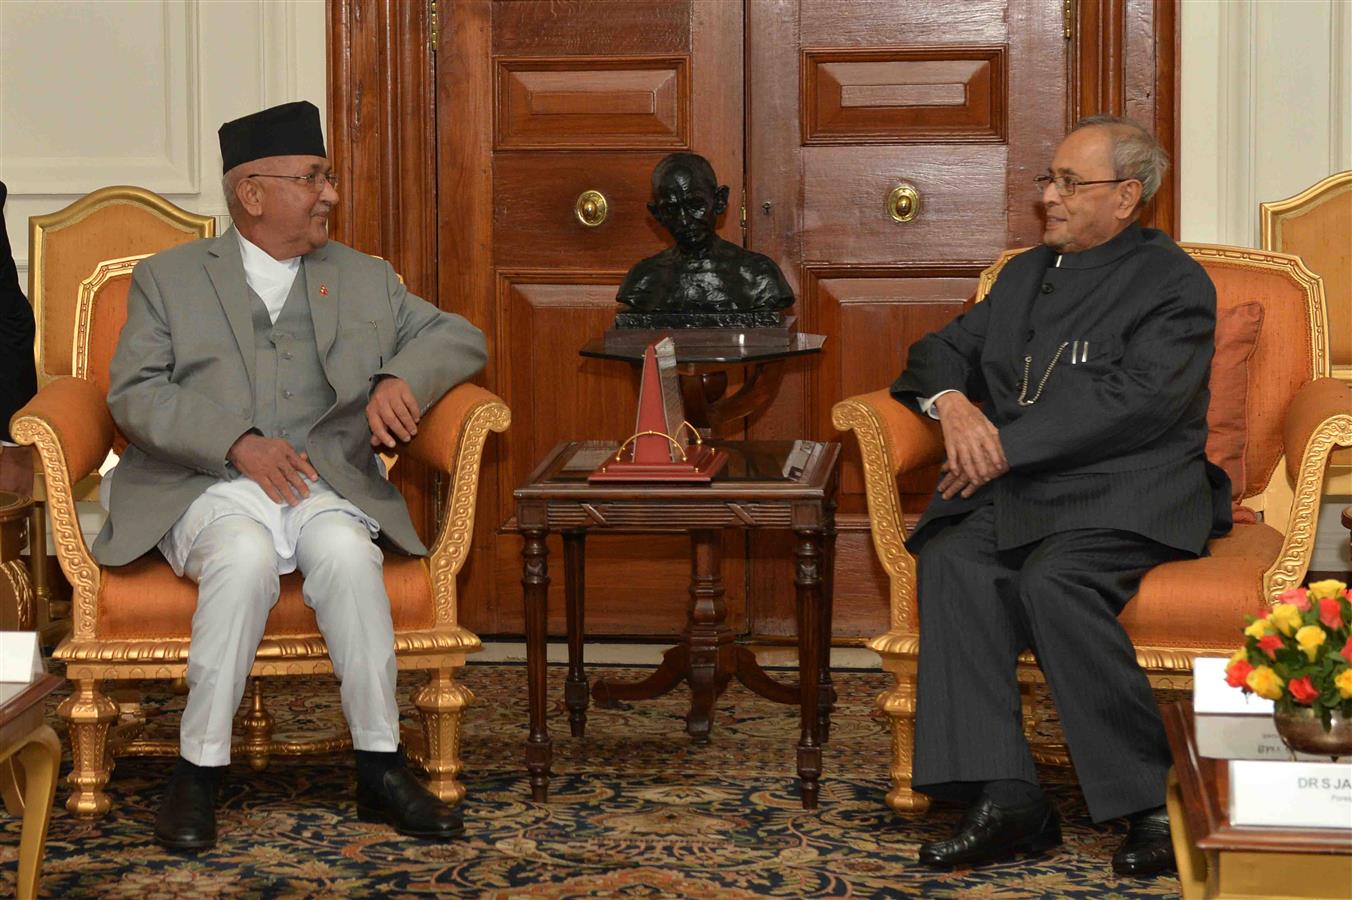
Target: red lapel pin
point(324, 290)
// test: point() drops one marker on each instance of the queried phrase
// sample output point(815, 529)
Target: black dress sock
point(1012, 793)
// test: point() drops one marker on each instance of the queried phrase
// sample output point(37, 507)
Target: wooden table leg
point(41, 758)
point(575, 590)
point(706, 656)
point(807, 581)
point(535, 589)
point(826, 694)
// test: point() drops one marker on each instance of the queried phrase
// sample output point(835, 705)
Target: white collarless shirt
point(271, 279)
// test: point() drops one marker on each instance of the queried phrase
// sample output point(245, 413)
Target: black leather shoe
point(1147, 849)
point(399, 799)
point(187, 816)
point(988, 833)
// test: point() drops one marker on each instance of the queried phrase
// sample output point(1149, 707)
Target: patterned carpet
point(636, 811)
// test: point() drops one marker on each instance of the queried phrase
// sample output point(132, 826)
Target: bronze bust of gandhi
point(702, 281)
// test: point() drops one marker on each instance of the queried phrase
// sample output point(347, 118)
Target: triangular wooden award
point(652, 453)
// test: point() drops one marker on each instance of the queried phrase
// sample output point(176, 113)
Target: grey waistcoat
point(291, 391)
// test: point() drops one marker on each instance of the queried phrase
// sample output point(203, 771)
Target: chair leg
point(440, 702)
point(258, 724)
point(899, 704)
point(89, 714)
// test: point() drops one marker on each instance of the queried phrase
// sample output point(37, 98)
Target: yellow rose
point(1330, 587)
point(1265, 683)
point(1259, 628)
point(1344, 684)
point(1286, 617)
point(1240, 654)
point(1310, 638)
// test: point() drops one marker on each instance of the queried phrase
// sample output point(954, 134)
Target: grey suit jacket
point(183, 375)
point(1117, 441)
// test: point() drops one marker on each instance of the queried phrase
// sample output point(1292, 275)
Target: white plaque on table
point(1211, 694)
point(1291, 794)
point(20, 657)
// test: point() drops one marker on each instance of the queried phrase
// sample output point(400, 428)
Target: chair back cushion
point(1291, 347)
point(1316, 225)
point(100, 313)
point(66, 245)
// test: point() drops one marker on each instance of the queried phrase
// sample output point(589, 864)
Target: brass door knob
point(903, 204)
point(591, 208)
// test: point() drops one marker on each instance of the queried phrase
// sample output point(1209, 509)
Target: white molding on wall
point(285, 39)
point(1236, 139)
point(177, 169)
point(1340, 87)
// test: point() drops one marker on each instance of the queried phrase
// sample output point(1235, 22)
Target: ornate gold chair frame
point(893, 441)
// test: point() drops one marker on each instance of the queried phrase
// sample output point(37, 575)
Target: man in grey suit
point(1083, 468)
point(255, 376)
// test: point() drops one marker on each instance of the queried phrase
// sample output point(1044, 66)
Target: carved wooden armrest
point(69, 422)
point(450, 439)
point(1319, 416)
point(892, 440)
point(1318, 420)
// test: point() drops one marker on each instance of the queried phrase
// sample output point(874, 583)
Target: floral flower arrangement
point(1299, 652)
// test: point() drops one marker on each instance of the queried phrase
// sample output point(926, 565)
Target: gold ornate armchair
point(1293, 417)
point(133, 622)
point(1316, 225)
point(65, 246)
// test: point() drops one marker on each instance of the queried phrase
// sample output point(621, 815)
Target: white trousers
point(235, 564)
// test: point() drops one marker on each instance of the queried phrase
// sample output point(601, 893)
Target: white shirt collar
point(271, 279)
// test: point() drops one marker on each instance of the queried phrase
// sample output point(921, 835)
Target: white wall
point(100, 92)
point(1266, 111)
point(1266, 108)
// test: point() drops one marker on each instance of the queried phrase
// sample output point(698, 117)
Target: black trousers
point(981, 607)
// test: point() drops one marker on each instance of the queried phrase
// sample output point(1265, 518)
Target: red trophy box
point(658, 450)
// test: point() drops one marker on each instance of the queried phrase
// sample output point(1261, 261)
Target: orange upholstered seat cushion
point(1202, 602)
point(147, 600)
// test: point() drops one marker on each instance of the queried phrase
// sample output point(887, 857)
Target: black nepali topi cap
point(291, 129)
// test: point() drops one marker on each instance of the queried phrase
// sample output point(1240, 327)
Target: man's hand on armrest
point(972, 443)
point(275, 465)
point(392, 412)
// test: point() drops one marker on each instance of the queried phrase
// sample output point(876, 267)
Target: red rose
point(1269, 643)
point(1298, 597)
point(1237, 671)
point(1331, 613)
point(1302, 690)
point(1346, 652)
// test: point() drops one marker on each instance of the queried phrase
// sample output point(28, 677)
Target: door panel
point(543, 101)
point(846, 101)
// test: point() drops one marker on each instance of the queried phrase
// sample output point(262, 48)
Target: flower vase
point(1301, 731)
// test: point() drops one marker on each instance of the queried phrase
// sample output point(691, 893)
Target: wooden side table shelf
point(766, 484)
point(1217, 859)
point(26, 737)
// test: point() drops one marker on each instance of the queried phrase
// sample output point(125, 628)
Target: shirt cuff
point(927, 404)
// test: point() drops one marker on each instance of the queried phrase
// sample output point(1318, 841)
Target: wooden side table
point(1217, 859)
point(26, 737)
point(766, 484)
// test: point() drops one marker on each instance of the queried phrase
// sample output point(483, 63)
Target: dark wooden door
point(540, 101)
point(963, 102)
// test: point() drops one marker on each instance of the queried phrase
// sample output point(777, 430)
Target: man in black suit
point(1083, 468)
point(18, 378)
